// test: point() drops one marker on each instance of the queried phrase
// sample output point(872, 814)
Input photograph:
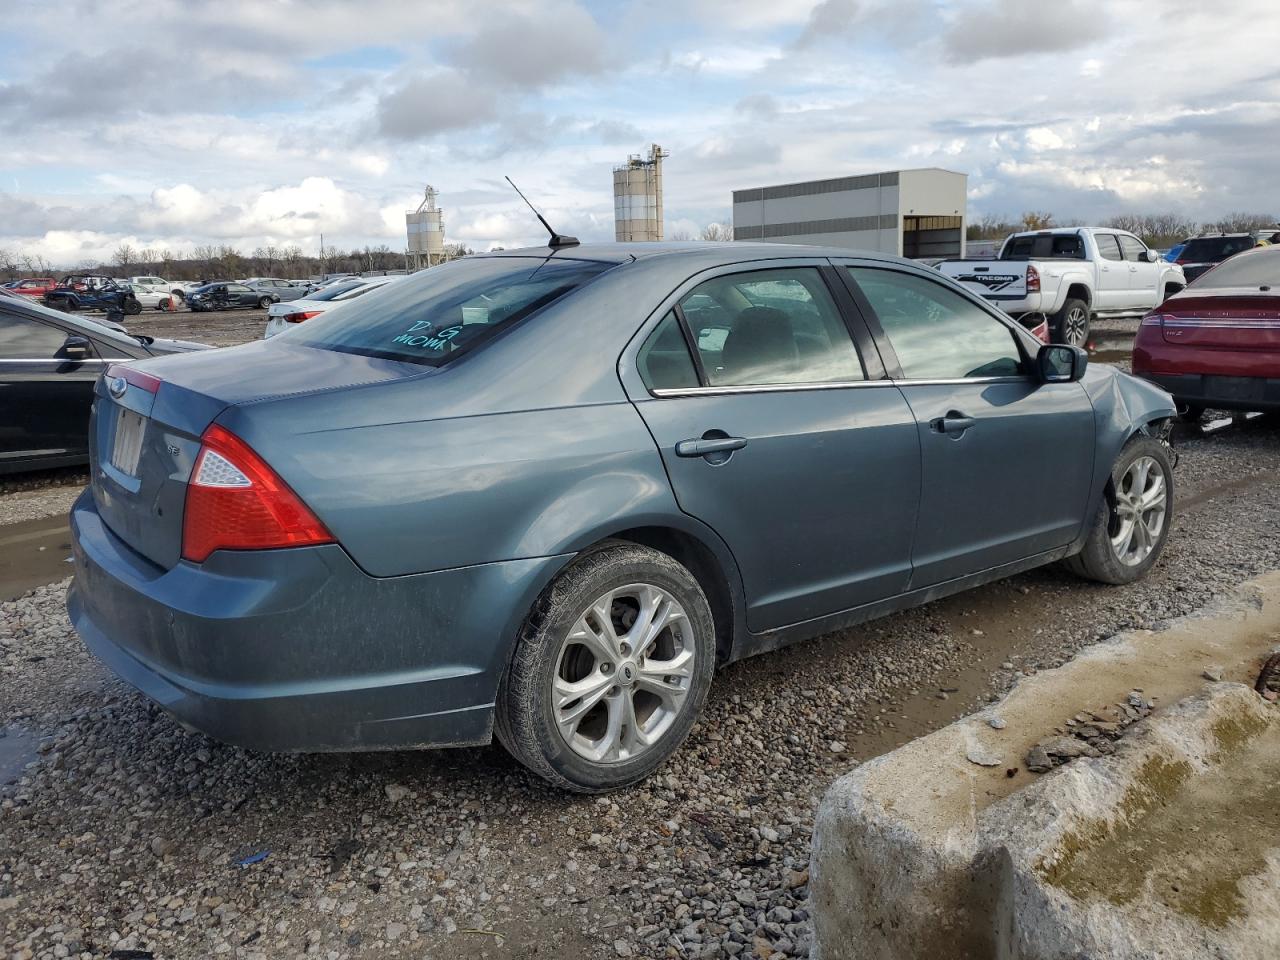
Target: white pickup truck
point(1071, 275)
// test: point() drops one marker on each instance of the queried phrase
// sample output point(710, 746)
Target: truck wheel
point(1071, 324)
point(132, 307)
point(1132, 524)
point(65, 304)
point(610, 671)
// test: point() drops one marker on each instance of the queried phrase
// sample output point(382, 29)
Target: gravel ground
point(39, 502)
point(126, 832)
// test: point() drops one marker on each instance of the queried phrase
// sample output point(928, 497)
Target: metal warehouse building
point(911, 213)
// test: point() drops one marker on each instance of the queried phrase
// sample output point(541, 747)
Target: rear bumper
point(1221, 392)
point(299, 650)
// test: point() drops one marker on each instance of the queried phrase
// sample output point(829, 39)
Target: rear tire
point(264, 303)
point(1071, 324)
point(132, 307)
point(1130, 529)
point(640, 691)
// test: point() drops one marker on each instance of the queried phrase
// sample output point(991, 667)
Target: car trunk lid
point(1244, 319)
point(147, 420)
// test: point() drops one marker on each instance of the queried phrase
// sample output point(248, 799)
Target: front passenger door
point(1143, 273)
point(44, 396)
point(1006, 461)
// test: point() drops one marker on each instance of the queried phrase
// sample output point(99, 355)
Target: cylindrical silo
point(637, 197)
point(425, 228)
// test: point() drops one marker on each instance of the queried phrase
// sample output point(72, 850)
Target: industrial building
point(910, 213)
point(425, 228)
point(637, 197)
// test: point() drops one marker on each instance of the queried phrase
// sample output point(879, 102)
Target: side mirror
point(1060, 363)
point(1149, 256)
point(77, 349)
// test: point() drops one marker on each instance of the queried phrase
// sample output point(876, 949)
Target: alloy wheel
point(623, 673)
point(1141, 506)
point(1075, 328)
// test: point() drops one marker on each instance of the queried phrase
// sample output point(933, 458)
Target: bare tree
point(990, 227)
point(680, 236)
point(124, 257)
point(1037, 220)
point(1239, 222)
point(717, 232)
point(8, 263)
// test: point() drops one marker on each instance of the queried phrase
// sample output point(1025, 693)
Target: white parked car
point(1071, 275)
point(158, 285)
point(151, 298)
point(280, 316)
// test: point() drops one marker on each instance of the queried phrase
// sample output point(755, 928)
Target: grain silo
point(425, 227)
point(637, 197)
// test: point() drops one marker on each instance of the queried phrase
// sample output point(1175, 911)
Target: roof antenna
point(557, 239)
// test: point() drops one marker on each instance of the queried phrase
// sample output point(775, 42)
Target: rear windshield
point(336, 290)
point(1056, 246)
point(1261, 269)
point(441, 312)
point(1210, 249)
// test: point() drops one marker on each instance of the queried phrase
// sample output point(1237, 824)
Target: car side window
point(237, 288)
point(1108, 246)
point(770, 327)
point(1132, 248)
point(937, 333)
point(665, 361)
point(23, 339)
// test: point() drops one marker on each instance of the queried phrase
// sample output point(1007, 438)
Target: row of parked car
point(132, 295)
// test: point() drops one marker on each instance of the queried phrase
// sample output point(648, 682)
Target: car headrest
point(761, 343)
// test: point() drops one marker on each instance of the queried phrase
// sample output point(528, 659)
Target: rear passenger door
point(1006, 461)
point(781, 433)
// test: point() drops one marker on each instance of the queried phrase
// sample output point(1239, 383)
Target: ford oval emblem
point(117, 386)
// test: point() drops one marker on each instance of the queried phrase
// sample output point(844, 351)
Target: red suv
point(1217, 343)
point(34, 286)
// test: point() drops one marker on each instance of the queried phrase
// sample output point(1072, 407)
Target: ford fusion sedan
point(1217, 343)
point(49, 362)
point(543, 495)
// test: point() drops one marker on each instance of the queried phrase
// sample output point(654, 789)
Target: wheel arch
point(1078, 290)
point(707, 567)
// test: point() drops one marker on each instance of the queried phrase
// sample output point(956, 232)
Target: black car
point(229, 296)
point(49, 362)
point(1201, 254)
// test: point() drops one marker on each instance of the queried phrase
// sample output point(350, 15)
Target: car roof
point(705, 253)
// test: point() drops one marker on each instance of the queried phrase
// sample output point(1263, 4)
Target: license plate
point(126, 449)
point(1234, 388)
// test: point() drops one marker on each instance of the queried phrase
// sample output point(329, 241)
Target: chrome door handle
point(700, 448)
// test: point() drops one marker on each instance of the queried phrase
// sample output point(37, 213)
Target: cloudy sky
point(170, 123)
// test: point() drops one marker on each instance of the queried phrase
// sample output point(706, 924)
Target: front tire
point(1131, 527)
point(1071, 324)
point(610, 671)
point(264, 303)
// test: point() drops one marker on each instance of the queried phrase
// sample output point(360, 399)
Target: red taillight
point(301, 315)
point(143, 381)
point(1033, 279)
point(236, 502)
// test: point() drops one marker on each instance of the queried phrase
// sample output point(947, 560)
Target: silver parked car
point(283, 290)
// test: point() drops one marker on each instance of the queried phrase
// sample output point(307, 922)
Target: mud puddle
point(33, 553)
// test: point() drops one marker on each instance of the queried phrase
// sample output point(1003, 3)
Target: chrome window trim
point(672, 393)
